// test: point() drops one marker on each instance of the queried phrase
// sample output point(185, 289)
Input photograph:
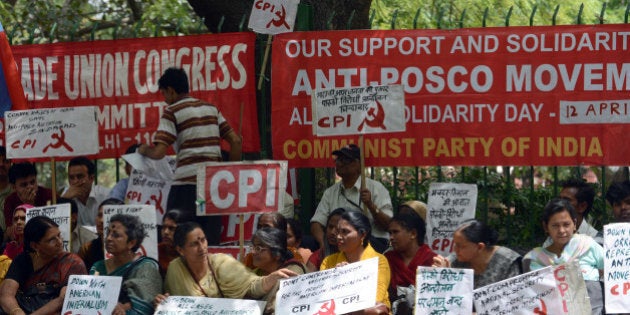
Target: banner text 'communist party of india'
point(120, 77)
point(493, 96)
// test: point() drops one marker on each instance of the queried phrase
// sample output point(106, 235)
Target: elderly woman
point(93, 251)
point(141, 277)
point(353, 234)
point(16, 245)
point(270, 253)
point(42, 262)
point(198, 273)
point(476, 248)
point(559, 222)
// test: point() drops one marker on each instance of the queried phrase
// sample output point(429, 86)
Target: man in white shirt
point(87, 195)
point(373, 200)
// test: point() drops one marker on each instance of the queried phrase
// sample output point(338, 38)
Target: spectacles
point(258, 248)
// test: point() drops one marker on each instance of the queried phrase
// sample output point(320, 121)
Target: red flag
point(11, 92)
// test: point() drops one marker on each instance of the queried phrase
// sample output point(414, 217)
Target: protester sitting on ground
point(93, 251)
point(23, 179)
point(16, 245)
point(166, 249)
point(43, 266)
point(559, 222)
point(272, 220)
point(618, 196)
point(83, 190)
point(476, 248)
point(141, 280)
point(353, 234)
point(270, 253)
point(416, 206)
point(198, 273)
point(80, 234)
point(120, 189)
point(294, 239)
point(330, 246)
point(406, 235)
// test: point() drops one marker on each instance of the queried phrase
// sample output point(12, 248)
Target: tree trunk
point(232, 15)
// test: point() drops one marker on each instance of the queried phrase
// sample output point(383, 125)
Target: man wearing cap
point(373, 200)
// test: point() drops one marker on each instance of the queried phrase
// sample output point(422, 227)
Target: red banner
point(490, 96)
point(120, 77)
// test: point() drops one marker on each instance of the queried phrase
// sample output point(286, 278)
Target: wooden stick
point(241, 237)
point(363, 186)
point(53, 169)
point(263, 67)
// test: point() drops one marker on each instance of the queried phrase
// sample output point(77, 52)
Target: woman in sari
point(559, 222)
point(93, 251)
point(43, 266)
point(16, 245)
point(198, 273)
point(141, 276)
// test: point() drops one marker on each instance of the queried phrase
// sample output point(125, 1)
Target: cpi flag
point(273, 16)
point(11, 92)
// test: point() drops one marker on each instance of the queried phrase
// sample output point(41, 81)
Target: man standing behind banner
point(348, 193)
point(195, 129)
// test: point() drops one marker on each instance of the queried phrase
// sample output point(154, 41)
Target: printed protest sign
point(443, 291)
point(617, 267)
point(332, 291)
point(59, 213)
point(534, 292)
point(194, 305)
point(146, 214)
point(575, 300)
point(145, 189)
point(362, 110)
point(273, 16)
point(68, 131)
point(241, 187)
point(449, 205)
point(91, 295)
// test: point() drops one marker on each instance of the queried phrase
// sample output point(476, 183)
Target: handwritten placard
point(575, 300)
point(273, 16)
point(361, 110)
point(195, 305)
point(332, 291)
point(534, 292)
point(617, 267)
point(449, 204)
point(144, 189)
point(91, 294)
point(443, 291)
point(59, 213)
point(146, 213)
point(46, 132)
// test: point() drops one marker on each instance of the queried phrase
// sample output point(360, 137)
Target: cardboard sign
point(59, 213)
point(273, 16)
point(241, 187)
point(146, 214)
point(69, 131)
point(617, 267)
point(443, 291)
point(91, 294)
point(534, 292)
point(449, 205)
point(575, 300)
point(372, 109)
point(195, 305)
point(332, 291)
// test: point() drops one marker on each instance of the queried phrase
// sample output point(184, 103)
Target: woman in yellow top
point(353, 233)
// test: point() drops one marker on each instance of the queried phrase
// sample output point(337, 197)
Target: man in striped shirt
point(195, 129)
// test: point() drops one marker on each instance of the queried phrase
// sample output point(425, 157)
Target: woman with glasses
point(43, 269)
point(198, 273)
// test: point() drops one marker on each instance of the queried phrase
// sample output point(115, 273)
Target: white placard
point(449, 205)
point(146, 213)
point(443, 290)
point(195, 305)
point(535, 292)
point(336, 291)
point(617, 267)
point(91, 294)
point(273, 16)
point(575, 300)
point(362, 110)
point(144, 189)
point(59, 213)
point(49, 132)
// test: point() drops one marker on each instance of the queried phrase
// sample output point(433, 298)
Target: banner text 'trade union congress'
point(493, 96)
